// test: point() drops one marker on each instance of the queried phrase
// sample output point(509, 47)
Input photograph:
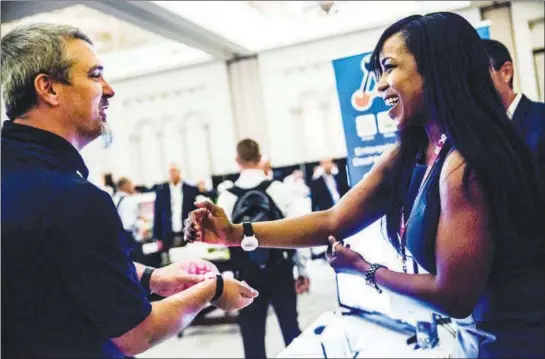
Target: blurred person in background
point(128, 210)
point(69, 287)
point(173, 202)
point(256, 197)
point(327, 188)
point(301, 194)
point(460, 191)
point(206, 191)
point(106, 184)
point(267, 168)
point(225, 185)
point(297, 184)
point(527, 116)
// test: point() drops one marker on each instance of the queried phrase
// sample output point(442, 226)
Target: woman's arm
point(464, 250)
point(362, 205)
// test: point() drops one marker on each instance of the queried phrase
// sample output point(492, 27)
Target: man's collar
point(253, 172)
point(513, 106)
point(58, 146)
point(177, 185)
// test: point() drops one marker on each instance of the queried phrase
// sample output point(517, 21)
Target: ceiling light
point(326, 5)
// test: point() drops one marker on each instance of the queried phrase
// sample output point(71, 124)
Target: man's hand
point(236, 295)
point(208, 224)
point(179, 276)
point(302, 284)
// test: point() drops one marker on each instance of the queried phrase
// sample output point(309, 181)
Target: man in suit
point(327, 188)
point(527, 116)
point(174, 200)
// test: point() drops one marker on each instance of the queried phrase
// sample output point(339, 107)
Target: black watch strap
point(145, 280)
point(219, 288)
point(248, 229)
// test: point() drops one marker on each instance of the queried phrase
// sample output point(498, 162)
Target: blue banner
point(368, 129)
point(484, 30)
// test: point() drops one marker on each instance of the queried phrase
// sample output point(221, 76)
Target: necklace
point(402, 228)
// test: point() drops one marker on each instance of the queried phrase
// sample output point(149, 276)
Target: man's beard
point(106, 135)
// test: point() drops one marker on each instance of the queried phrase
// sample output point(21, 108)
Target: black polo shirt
point(68, 284)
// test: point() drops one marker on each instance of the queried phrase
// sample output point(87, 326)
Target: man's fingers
point(248, 291)
point(194, 278)
point(244, 302)
point(332, 240)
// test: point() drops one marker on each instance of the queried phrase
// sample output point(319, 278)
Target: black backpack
point(255, 205)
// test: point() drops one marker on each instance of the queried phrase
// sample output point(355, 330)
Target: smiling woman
point(438, 84)
point(447, 196)
point(403, 84)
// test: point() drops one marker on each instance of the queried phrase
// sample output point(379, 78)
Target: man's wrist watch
point(146, 277)
point(249, 242)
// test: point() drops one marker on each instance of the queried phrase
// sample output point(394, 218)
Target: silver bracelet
point(370, 276)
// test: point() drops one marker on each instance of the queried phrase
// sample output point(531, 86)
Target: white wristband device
point(249, 242)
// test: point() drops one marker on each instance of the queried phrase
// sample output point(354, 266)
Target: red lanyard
point(403, 226)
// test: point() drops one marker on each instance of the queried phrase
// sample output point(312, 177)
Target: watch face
point(249, 243)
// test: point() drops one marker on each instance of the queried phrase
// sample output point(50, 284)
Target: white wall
point(247, 99)
point(523, 13)
point(501, 29)
point(186, 115)
point(537, 29)
point(300, 97)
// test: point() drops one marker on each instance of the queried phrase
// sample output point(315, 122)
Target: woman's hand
point(209, 224)
point(343, 259)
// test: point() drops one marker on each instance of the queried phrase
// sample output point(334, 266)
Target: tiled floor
point(224, 341)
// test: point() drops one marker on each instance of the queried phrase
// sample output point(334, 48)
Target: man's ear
point(46, 89)
point(507, 72)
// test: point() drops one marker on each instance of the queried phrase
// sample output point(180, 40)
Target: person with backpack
point(256, 198)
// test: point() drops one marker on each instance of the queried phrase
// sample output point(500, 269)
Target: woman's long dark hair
point(460, 95)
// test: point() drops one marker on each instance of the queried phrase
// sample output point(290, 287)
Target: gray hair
point(29, 51)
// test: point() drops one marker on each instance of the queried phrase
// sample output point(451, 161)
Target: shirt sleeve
point(227, 200)
point(289, 204)
point(128, 212)
point(300, 261)
point(91, 254)
point(290, 207)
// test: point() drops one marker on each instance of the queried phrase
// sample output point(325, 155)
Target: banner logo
point(363, 97)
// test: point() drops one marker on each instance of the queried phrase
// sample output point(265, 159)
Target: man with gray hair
point(73, 291)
